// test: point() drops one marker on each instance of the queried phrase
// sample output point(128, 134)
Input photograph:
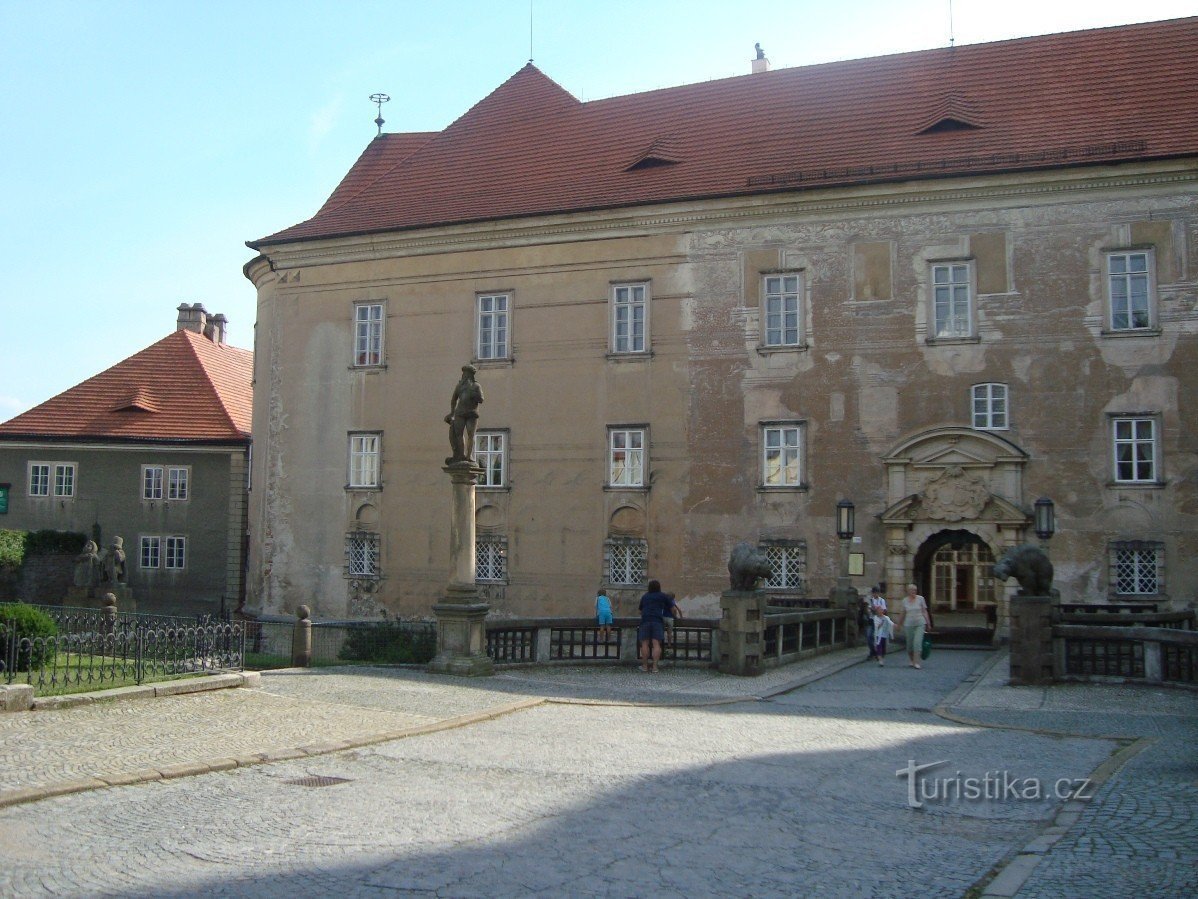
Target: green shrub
point(388, 644)
point(12, 549)
point(41, 543)
point(26, 622)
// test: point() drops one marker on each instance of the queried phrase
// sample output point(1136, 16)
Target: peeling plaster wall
point(865, 377)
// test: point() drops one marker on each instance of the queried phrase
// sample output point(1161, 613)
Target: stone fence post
point(301, 639)
point(742, 631)
point(1031, 641)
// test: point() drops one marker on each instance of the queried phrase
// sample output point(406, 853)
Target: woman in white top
point(914, 619)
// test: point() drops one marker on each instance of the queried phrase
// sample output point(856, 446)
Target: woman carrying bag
point(915, 620)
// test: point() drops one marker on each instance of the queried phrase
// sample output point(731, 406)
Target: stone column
point(461, 615)
point(1031, 641)
point(742, 631)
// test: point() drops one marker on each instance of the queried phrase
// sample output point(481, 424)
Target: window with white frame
point(781, 306)
point(493, 326)
point(490, 559)
point(788, 565)
point(150, 554)
point(1129, 286)
point(176, 553)
point(1135, 449)
point(952, 300)
point(178, 483)
point(1136, 567)
point(781, 455)
point(362, 555)
point(626, 561)
point(629, 318)
point(990, 409)
point(368, 334)
point(490, 453)
point(626, 457)
point(165, 482)
point(52, 479)
point(364, 460)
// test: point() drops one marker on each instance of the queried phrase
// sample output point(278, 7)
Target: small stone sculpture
point(88, 566)
point(1030, 566)
point(463, 417)
point(114, 562)
point(746, 566)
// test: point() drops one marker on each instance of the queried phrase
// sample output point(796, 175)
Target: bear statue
point(1030, 566)
point(746, 566)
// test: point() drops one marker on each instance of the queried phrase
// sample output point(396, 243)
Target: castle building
point(154, 450)
point(939, 285)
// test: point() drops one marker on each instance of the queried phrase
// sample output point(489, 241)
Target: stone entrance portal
point(955, 503)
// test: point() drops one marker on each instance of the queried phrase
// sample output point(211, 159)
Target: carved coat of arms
point(954, 495)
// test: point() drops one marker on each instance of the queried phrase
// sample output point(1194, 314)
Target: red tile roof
point(1079, 98)
point(182, 388)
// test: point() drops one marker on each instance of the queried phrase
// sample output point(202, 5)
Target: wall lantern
point(1046, 518)
point(846, 519)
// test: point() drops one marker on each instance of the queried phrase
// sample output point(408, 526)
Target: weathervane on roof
point(379, 100)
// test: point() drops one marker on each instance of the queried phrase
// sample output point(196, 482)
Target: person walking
point(914, 619)
point(871, 606)
point(654, 607)
point(883, 630)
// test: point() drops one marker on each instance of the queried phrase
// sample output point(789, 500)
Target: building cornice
point(715, 213)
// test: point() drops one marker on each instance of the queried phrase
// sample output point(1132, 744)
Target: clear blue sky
point(142, 143)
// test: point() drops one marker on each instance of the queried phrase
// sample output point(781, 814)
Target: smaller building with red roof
point(154, 450)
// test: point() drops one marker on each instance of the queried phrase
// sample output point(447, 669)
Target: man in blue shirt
point(655, 605)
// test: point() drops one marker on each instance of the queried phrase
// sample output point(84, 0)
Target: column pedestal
point(742, 631)
point(1031, 641)
point(461, 615)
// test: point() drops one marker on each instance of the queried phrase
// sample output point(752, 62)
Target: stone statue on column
point(463, 416)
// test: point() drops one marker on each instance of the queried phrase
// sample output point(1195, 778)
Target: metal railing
point(117, 656)
point(691, 641)
point(1152, 654)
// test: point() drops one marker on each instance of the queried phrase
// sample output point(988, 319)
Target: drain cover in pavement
point(317, 780)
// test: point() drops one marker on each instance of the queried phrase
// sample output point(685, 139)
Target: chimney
point(192, 318)
point(217, 326)
point(760, 63)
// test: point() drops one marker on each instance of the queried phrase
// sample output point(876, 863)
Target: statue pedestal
point(742, 631)
point(461, 615)
point(1031, 641)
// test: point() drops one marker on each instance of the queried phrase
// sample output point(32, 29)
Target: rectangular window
point(52, 479)
point(1136, 568)
point(626, 561)
point(788, 562)
point(626, 457)
point(176, 553)
point(782, 310)
point(781, 455)
point(990, 407)
point(151, 482)
point(39, 479)
point(629, 318)
point(493, 326)
point(363, 460)
point(177, 481)
point(151, 552)
point(368, 334)
point(1135, 450)
point(490, 452)
point(1130, 290)
point(362, 555)
point(490, 559)
point(952, 302)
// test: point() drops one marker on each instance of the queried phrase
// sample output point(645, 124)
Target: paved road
point(587, 794)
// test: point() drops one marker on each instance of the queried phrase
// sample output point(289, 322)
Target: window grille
point(788, 563)
point(490, 559)
point(362, 555)
point(627, 561)
point(1136, 568)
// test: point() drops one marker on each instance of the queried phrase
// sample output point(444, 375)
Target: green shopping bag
point(926, 649)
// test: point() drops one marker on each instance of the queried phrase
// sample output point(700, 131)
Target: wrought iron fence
point(1154, 654)
point(112, 656)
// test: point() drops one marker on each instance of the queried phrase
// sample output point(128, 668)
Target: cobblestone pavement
point(1138, 836)
point(791, 794)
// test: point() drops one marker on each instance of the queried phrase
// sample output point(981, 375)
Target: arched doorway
point(956, 569)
